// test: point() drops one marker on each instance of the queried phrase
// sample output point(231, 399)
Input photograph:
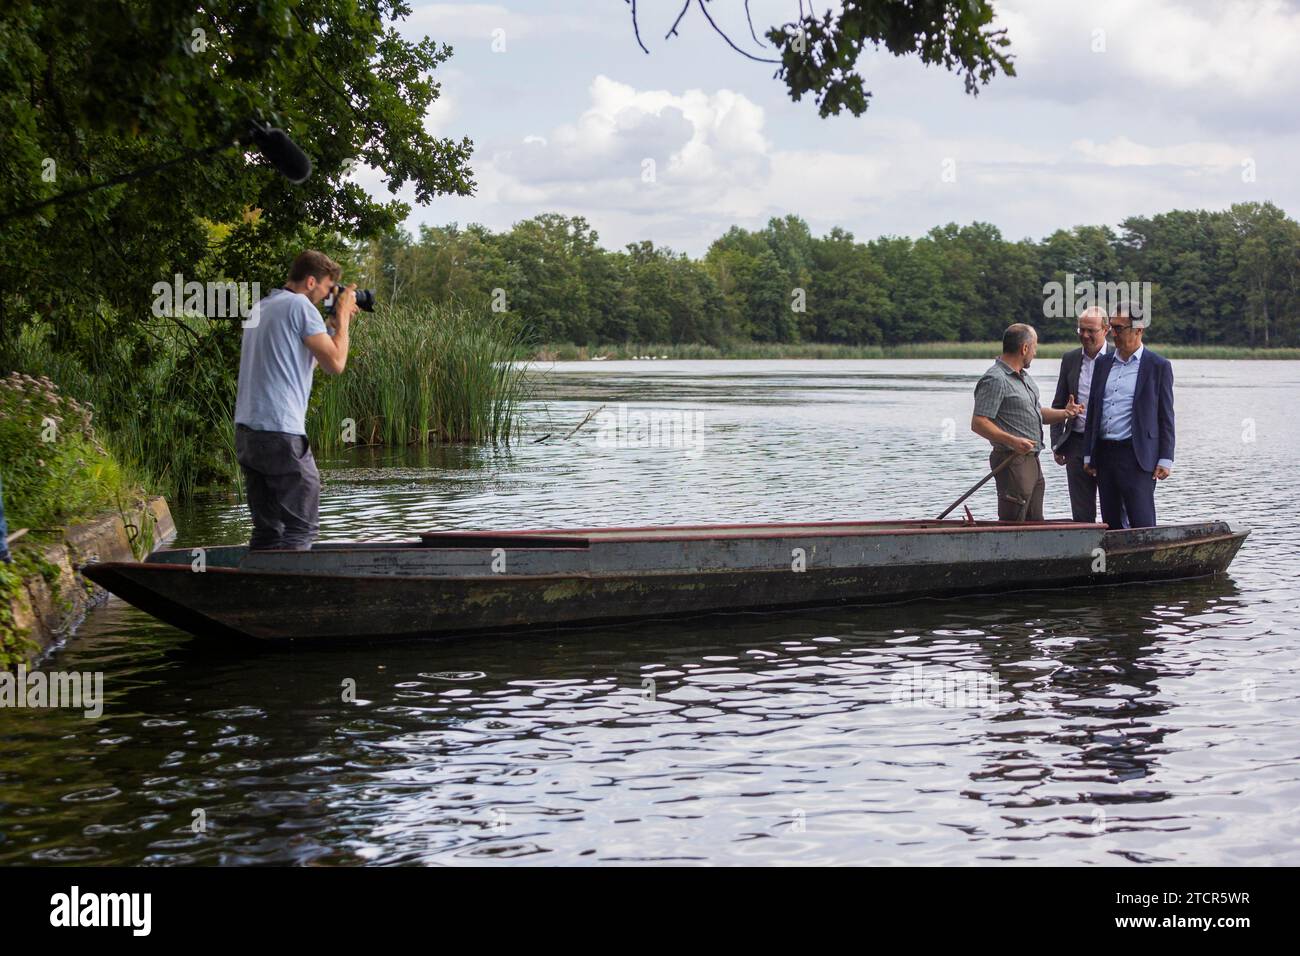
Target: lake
point(1133, 724)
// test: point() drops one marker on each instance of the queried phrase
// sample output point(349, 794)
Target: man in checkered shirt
point(1009, 414)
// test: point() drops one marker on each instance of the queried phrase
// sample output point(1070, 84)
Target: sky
point(1118, 108)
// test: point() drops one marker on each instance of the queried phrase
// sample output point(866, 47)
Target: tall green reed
point(423, 374)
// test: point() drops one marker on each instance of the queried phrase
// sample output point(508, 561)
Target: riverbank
point(42, 595)
point(569, 352)
point(67, 499)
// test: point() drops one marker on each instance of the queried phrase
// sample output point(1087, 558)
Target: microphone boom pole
point(274, 144)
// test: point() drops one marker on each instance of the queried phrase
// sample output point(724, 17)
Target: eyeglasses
point(1080, 330)
point(1121, 328)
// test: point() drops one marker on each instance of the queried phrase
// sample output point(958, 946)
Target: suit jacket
point(1153, 408)
point(1067, 384)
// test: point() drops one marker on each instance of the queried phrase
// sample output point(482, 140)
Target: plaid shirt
point(1011, 400)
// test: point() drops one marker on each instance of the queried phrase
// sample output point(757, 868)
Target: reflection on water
point(1143, 723)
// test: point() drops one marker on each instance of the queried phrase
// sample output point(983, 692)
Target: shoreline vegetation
point(759, 351)
point(56, 467)
point(56, 471)
point(446, 356)
point(418, 374)
point(1209, 278)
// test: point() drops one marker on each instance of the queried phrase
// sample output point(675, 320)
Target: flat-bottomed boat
point(446, 583)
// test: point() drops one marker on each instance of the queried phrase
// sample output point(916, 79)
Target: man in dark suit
point(1129, 437)
point(1075, 382)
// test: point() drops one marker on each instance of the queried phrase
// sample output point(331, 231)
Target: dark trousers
point(1083, 486)
point(1020, 486)
point(1124, 486)
point(283, 488)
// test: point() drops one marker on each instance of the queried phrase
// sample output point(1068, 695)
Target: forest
point(1218, 277)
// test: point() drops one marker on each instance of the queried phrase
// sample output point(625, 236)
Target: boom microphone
point(281, 152)
point(274, 145)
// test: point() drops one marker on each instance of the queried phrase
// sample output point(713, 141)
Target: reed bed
point(423, 374)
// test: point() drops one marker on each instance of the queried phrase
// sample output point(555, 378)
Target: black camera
point(365, 298)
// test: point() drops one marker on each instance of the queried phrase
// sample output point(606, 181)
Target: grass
point(420, 374)
point(568, 352)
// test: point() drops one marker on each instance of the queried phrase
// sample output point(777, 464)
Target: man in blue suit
point(1129, 436)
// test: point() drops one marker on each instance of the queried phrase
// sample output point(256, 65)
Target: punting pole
point(977, 486)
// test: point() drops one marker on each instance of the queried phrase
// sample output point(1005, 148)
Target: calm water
point(1149, 723)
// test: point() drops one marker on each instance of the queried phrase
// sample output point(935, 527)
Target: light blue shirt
point(1117, 402)
point(275, 365)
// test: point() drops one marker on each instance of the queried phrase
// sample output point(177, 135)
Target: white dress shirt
point(1085, 386)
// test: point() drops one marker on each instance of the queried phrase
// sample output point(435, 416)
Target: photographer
point(284, 339)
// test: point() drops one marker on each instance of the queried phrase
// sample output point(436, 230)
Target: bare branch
point(685, 6)
point(750, 20)
point(637, 29)
point(718, 30)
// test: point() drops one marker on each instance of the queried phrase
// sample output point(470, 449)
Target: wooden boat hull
point(453, 584)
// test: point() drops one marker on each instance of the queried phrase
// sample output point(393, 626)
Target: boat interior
point(232, 556)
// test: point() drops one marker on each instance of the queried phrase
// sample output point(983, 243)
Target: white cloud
point(1222, 49)
point(645, 149)
point(716, 165)
point(438, 118)
point(1162, 119)
point(1122, 151)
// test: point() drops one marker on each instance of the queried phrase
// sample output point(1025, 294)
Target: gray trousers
point(1083, 486)
point(283, 487)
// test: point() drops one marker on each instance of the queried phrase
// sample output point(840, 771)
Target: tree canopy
point(819, 55)
point(90, 90)
point(1229, 277)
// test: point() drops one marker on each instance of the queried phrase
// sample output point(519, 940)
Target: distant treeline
point(1217, 278)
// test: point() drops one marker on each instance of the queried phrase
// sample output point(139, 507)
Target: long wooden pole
point(978, 485)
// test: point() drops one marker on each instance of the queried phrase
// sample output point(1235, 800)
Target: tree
point(848, 299)
point(77, 108)
point(90, 91)
point(819, 55)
